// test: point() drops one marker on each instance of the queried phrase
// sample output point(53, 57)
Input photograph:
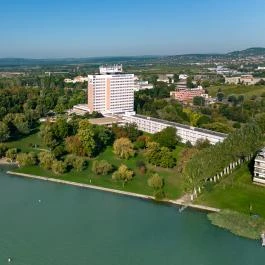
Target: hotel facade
point(111, 91)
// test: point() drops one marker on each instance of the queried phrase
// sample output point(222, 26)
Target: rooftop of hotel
point(183, 126)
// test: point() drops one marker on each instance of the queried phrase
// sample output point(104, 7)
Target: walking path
point(178, 202)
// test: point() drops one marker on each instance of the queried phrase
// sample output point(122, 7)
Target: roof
point(104, 121)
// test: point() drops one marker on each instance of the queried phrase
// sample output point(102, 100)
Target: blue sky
point(84, 28)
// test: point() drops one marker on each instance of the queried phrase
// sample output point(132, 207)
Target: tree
point(3, 149)
point(220, 96)
point(152, 153)
point(202, 143)
point(123, 148)
point(205, 83)
point(4, 132)
point(86, 136)
point(46, 159)
point(167, 137)
point(61, 128)
point(129, 131)
point(59, 151)
point(123, 174)
point(155, 182)
point(166, 158)
point(103, 137)
point(11, 154)
point(194, 117)
point(74, 146)
point(260, 119)
point(48, 136)
point(58, 167)
point(20, 121)
point(101, 167)
point(142, 141)
point(198, 101)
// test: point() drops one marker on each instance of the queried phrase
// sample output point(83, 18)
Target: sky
point(89, 28)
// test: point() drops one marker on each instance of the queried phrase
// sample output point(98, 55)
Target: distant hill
point(135, 60)
point(256, 51)
point(16, 62)
point(207, 57)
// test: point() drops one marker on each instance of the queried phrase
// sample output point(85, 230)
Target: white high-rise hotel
point(111, 91)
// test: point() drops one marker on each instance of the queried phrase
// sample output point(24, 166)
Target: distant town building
point(142, 85)
point(183, 76)
point(261, 68)
point(243, 79)
point(186, 132)
point(111, 92)
point(77, 79)
point(185, 95)
point(259, 167)
point(167, 78)
point(182, 84)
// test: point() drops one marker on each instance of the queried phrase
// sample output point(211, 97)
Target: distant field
point(236, 192)
point(247, 91)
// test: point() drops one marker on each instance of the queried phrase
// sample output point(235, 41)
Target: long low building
point(187, 133)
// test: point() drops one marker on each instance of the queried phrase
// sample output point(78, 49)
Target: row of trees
point(211, 161)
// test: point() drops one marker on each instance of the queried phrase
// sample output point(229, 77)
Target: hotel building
point(111, 91)
point(186, 132)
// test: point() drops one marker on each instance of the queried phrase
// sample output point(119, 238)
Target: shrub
point(11, 154)
point(123, 174)
point(141, 166)
point(101, 167)
point(46, 159)
point(79, 163)
point(76, 162)
point(25, 159)
point(58, 167)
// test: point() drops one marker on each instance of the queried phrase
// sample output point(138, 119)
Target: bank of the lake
point(47, 223)
point(177, 202)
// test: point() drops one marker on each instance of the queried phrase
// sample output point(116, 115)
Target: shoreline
point(4, 161)
point(177, 202)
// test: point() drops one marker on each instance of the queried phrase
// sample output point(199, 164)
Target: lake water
point(75, 226)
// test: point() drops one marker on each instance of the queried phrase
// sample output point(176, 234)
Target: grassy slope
point(173, 182)
point(236, 192)
point(26, 144)
point(247, 91)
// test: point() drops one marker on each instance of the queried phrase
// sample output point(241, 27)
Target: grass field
point(173, 182)
point(27, 144)
point(247, 91)
point(236, 192)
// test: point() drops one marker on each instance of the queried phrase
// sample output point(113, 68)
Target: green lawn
point(247, 91)
point(27, 143)
point(173, 181)
point(236, 192)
